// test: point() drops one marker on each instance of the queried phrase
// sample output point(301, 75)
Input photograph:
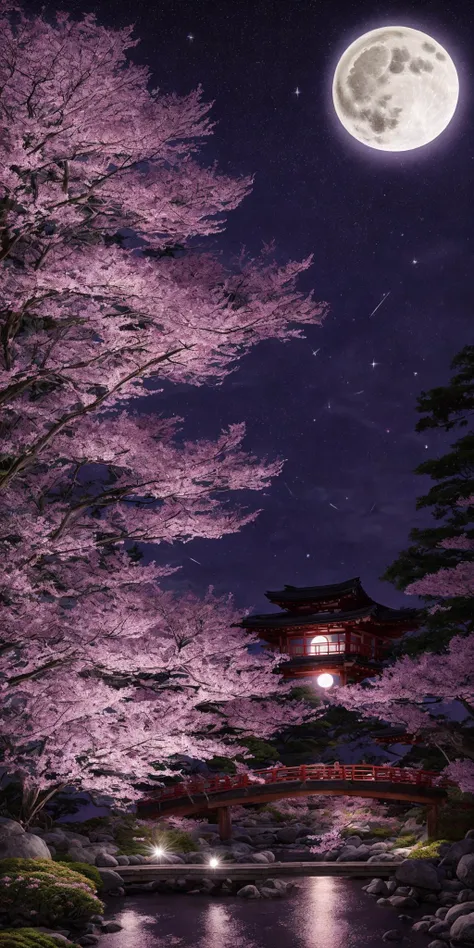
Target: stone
point(287, 834)
point(81, 855)
point(10, 828)
point(407, 919)
point(403, 890)
point(109, 927)
point(422, 926)
point(394, 934)
point(465, 908)
point(442, 912)
point(268, 853)
point(402, 901)
point(454, 853)
point(18, 844)
point(382, 857)
point(437, 944)
point(258, 858)
point(465, 870)
point(76, 837)
point(123, 860)
point(377, 887)
point(243, 838)
point(447, 898)
point(419, 873)
point(452, 885)
point(353, 841)
point(462, 931)
point(354, 854)
point(133, 861)
point(438, 928)
point(378, 848)
point(106, 860)
point(110, 880)
point(87, 940)
point(465, 895)
point(469, 834)
point(383, 901)
point(270, 893)
point(249, 892)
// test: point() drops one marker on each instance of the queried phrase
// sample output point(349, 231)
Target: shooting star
point(359, 393)
point(372, 508)
point(333, 505)
point(315, 351)
point(195, 561)
point(384, 297)
point(288, 489)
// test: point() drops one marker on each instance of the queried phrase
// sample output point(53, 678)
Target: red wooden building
point(335, 634)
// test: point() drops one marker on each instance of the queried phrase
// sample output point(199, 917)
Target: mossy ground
point(44, 892)
point(27, 938)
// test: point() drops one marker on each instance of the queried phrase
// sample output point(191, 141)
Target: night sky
point(377, 223)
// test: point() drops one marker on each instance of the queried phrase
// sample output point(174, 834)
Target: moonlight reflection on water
point(324, 913)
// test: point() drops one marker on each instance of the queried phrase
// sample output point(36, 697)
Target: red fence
point(274, 775)
point(308, 648)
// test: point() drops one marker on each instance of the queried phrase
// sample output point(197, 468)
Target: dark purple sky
point(346, 500)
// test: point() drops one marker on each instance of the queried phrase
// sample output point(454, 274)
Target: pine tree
point(449, 544)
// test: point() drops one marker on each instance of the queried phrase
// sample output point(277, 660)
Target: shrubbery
point(46, 893)
point(409, 839)
point(84, 869)
point(27, 938)
point(428, 850)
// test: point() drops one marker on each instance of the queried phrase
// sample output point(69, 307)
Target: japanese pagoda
point(334, 634)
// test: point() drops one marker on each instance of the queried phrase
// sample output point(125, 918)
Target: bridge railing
point(273, 775)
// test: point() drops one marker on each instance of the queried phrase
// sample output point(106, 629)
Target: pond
point(325, 912)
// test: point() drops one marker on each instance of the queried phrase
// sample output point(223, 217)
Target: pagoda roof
point(382, 614)
point(302, 593)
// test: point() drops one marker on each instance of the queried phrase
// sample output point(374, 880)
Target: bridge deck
point(251, 871)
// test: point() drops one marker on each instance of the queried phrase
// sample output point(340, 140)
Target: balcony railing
point(330, 648)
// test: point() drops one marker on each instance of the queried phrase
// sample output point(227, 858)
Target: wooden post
point(432, 821)
point(225, 822)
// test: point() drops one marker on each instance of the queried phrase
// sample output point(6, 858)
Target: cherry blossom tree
point(414, 692)
point(105, 291)
point(131, 675)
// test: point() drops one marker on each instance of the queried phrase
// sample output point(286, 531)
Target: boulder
point(249, 892)
point(422, 926)
point(18, 844)
point(469, 834)
point(403, 901)
point(353, 841)
point(462, 931)
point(9, 828)
point(76, 837)
point(109, 927)
point(437, 944)
point(243, 838)
point(106, 860)
point(81, 855)
point(465, 870)
point(456, 851)
point(377, 887)
point(270, 893)
point(394, 934)
point(378, 848)
point(354, 854)
point(419, 873)
point(268, 853)
point(123, 860)
point(287, 834)
point(259, 858)
point(465, 895)
point(382, 857)
point(133, 860)
point(438, 928)
point(465, 908)
point(110, 879)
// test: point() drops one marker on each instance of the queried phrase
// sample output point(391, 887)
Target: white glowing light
point(395, 89)
point(325, 681)
point(213, 862)
point(158, 851)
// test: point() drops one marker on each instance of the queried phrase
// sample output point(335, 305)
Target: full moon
point(395, 89)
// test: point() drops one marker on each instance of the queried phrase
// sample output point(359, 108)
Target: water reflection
point(222, 930)
point(325, 912)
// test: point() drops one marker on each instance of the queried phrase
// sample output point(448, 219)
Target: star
point(308, 556)
point(297, 92)
point(414, 261)
point(415, 373)
point(190, 37)
point(374, 363)
point(315, 351)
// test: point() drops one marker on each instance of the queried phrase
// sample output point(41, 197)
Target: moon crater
point(395, 89)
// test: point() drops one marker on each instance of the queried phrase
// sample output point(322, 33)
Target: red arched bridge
point(261, 786)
